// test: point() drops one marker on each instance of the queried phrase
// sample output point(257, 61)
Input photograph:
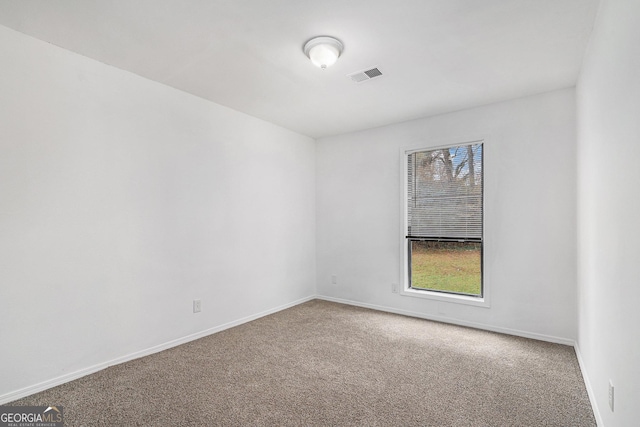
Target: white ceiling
point(436, 55)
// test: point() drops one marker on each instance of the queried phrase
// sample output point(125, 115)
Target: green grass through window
point(449, 267)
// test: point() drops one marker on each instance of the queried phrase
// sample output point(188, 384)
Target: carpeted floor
point(328, 364)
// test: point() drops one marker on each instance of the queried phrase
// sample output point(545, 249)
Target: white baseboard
point(507, 331)
point(27, 391)
point(587, 383)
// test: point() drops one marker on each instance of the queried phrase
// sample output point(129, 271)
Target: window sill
point(440, 296)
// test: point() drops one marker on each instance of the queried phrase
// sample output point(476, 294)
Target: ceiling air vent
point(363, 76)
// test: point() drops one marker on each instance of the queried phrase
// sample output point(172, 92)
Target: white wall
point(122, 200)
point(530, 207)
point(608, 104)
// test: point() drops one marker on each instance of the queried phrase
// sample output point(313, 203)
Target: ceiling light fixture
point(323, 51)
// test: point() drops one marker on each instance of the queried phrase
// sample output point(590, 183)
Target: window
point(443, 228)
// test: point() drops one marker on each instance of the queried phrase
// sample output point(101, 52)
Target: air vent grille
point(374, 72)
point(363, 76)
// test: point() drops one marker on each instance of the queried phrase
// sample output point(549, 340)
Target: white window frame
point(405, 289)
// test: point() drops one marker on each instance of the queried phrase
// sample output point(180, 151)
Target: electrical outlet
point(197, 306)
point(611, 395)
point(334, 279)
point(394, 288)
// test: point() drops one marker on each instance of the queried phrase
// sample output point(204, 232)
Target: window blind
point(444, 193)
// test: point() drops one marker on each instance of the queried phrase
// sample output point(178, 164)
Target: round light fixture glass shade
point(323, 51)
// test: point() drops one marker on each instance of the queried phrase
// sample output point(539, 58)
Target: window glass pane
point(446, 266)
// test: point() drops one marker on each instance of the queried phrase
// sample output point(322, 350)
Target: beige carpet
point(328, 364)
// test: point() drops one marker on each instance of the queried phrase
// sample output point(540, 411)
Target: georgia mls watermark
point(31, 416)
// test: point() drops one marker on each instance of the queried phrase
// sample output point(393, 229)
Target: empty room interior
point(182, 180)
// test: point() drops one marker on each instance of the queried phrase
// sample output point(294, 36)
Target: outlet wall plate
point(197, 306)
point(611, 395)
